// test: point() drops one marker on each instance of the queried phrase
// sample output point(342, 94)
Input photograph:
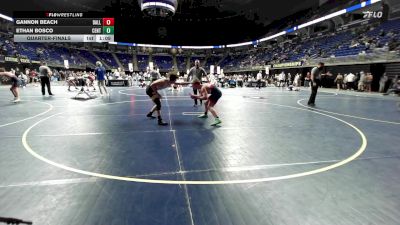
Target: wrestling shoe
point(150, 115)
point(161, 123)
point(217, 122)
point(204, 116)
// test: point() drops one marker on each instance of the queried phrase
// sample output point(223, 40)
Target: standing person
point(154, 74)
point(288, 79)
point(117, 73)
point(282, 78)
point(339, 81)
point(307, 80)
point(23, 78)
point(100, 72)
point(152, 92)
point(315, 82)
point(71, 81)
point(259, 78)
point(382, 83)
point(15, 83)
point(215, 95)
point(197, 73)
point(361, 81)
point(296, 80)
point(90, 81)
point(240, 80)
point(33, 77)
point(368, 82)
point(394, 89)
point(26, 76)
point(350, 81)
point(45, 74)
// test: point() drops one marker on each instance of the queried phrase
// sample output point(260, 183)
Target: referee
point(315, 82)
point(197, 73)
point(45, 75)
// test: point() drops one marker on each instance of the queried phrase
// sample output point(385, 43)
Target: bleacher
point(143, 61)
point(88, 56)
point(108, 59)
point(339, 44)
point(163, 62)
point(181, 62)
point(125, 59)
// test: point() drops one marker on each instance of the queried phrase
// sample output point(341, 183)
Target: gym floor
point(272, 161)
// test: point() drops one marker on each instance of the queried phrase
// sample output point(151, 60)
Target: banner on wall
point(130, 66)
point(24, 60)
point(11, 59)
point(267, 69)
point(212, 69)
point(66, 64)
point(288, 64)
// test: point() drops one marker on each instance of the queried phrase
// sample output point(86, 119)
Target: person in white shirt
point(154, 74)
point(117, 74)
point(289, 79)
point(213, 80)
point(259, 79)
point(297, 80)
point(361, 82)
point(282, 79)
point(240, 80)
point(24, 80)
point(350, 81)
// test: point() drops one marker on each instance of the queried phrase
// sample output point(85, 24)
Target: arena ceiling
point(196, 22)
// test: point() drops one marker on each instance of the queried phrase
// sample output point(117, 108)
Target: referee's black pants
point(45, 81)
point(314, 90)
point(259, 84)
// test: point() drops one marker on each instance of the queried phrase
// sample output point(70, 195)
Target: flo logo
point(370, 14)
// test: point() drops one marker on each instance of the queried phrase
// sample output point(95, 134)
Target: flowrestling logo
point(371, 14)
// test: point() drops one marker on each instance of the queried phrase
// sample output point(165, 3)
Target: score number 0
point(108, 21)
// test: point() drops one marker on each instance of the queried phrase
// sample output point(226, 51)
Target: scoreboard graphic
point(63, 27)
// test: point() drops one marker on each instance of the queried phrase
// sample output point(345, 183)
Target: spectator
point(350, 81)
point(368, 81)
point(382, 83)
point(259, 79)
point(339, 81)
point(395, 88)
point(297, 80)
point(361, 81)
point(307, 80)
